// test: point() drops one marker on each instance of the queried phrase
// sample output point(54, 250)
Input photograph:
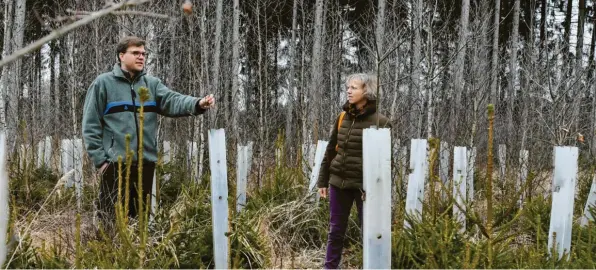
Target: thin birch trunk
point(495, 53)
point(316, 68)
point(415, 89)
point(513, 67)
point(216, 60)
point(235, 71)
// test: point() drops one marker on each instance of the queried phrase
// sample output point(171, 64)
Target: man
point(111, 112)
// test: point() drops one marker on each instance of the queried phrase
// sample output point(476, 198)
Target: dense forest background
point(278, 68)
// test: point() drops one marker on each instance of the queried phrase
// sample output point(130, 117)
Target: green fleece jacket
point(111, 111)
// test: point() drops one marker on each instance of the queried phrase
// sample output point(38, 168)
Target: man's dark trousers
point(108, 190)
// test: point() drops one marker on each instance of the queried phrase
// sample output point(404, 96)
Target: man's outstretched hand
point(207, 102)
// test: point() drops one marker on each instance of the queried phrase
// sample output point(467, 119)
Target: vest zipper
point(343, 165)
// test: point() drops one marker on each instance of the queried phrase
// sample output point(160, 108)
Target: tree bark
point(72, 85)
point(527, 86)
point(235, 70)
point(495, 53)
point(480, 64)
point(303, 109)
point(316, 68)
point(567, 25)
point(430, 89)
point(459, 82)
point(261, 92)
point(543, 37)
point(415, 89)
point(201, 123)
point(291, 76)
point(216, 59)
point(14, 92)
point(6, 50)
point(379, 38)
point(577, 71)
point(513, 67)
point(579, 49)
point(592, 52)
point(590, 79)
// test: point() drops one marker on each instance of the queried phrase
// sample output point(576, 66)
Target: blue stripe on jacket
point(120, 103)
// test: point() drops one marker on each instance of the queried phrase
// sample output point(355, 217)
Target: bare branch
point(66, 29)
point(82, 14)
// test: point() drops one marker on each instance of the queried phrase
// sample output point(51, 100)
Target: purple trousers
point(340, 202)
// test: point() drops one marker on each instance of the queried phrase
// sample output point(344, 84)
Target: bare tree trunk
point(459, 82)
point(290, 102)
point(396, 81)
point(527, 86)
point(445, 89)
point(266, 89)
point(301, 95)
point(216, 59)
point(593, 86)
point(14, 92)
point(316, 68)
point(166, 123)
point(195, 124)
point(380, 29)
point(480, 65)
point(124, 25)
point(513, 67)
point(592, 54)
point(579, 49)
point(6, 50)
point(396, 90)
point(71, 39)
point(593, 121)
point(430, 50)
point(235, 70)
point(379, 36)
point(567, 25)
point(415, 89)
point(52, 95)
point(577, 71)
point(151, 66)
point(543, 37)
point(261, 93)
point(202, 123)
point(494, 76)
point(205, 63)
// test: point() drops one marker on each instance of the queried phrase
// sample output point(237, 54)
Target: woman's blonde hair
point(369, 82)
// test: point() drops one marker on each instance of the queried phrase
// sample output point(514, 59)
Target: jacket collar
point(368, 109)
point(118, 72)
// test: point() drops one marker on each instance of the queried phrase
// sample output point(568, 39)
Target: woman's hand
point(323, 192)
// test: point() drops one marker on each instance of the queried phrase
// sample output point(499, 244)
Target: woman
point(341, 169)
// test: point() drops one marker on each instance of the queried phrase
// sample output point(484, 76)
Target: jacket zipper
point(134, 107)
point(343, 165)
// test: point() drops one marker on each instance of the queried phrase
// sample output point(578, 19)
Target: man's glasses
point(137, 54)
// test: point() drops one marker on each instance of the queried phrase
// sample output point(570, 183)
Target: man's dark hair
point(127, 42)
